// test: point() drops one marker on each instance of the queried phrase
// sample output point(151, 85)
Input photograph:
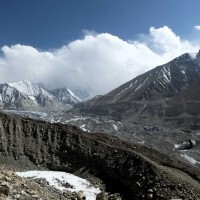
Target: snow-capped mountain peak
point(66, 95)
point(193, 56)
point(164, 81)
point(26, 87)
point(26, 95)
point(71, 93)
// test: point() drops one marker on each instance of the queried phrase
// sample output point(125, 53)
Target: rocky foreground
point(15, 187)
point(134, 171)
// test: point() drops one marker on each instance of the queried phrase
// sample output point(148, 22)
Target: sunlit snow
point(193, 55)
point(115, 127)
point(190, 159)
point(54, 178)
point(83, 127)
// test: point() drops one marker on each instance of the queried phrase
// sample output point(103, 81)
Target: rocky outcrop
point(135, 172)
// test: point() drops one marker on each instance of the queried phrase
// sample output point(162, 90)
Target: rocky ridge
point(136, 172)
point(164, 81)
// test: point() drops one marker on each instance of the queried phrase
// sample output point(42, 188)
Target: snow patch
point(76, 119)
point(190, 159)
point(121, 92)
point(137, 88)
point(130, 85)
point(182, 71)
point(54, 178)
point(176, 146)
point(83, 128)
point(115, 127)
point(192, 55)
point(141, 142)
point(72, 94)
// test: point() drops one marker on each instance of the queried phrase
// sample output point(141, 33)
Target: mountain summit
point(169, 90)
point(66, 96)
point(164, 81)
point(25, 95)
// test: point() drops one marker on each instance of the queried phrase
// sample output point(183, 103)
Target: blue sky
point(51, 23)
point(95, 45)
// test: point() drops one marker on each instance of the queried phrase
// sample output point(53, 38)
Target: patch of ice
point(76, 119)
point(54, 178)
point(96, 120)
point(72, 94)
point(32, 97)
point(115, 127)
point(141, 142)
point(26, 113)
point(166, 74)
point(109, 121)
point(190, 159)
point(176, 146)
point(121, 92)
point(83, 127)
point(137, 88)
point(166, 77)
point(182, 71)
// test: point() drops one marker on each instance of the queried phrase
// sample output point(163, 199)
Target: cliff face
point(134, 171)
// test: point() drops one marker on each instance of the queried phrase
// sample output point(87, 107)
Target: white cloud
point(197, 28)
point(98, 62)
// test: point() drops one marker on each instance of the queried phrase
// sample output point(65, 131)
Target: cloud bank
point(197, 28)
point(97, 63)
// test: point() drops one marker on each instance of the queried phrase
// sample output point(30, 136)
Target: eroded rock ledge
point(133, 171)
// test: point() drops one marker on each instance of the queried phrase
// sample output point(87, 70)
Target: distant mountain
point(192, 93)
point(161, 82)
point(66, 96)
point(82, 94)
point(25, 95)
point(169, 90)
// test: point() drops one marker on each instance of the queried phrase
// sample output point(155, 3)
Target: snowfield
point(54, 178)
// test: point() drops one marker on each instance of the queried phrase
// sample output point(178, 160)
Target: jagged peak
point(23, 82)
point(193, 56)
point(26, 87)
point(66, 91)
point(198, 55)
point(186, 56)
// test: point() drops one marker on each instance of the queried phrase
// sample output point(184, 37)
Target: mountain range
point(25, 95)
point(154, 93)
point(163, 81)
point(152, 141)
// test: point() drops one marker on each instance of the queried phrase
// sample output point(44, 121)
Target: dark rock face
point(130, 170)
